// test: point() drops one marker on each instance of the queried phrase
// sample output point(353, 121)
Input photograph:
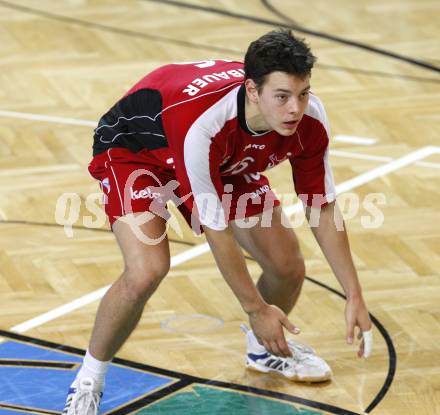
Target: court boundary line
point(354, 139)
point(47, 118)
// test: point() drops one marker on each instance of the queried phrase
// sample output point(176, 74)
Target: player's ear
point(251, 90)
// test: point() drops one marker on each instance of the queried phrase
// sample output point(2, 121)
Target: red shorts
point(132, 183)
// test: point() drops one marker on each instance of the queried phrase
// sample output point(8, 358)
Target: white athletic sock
point(253, 346)
point(93, 368)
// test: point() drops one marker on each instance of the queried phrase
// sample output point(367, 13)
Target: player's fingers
point(350, 331)
point(274, 349)
point(259, 340)
point(367, 342)
point(284, 348)
point(290, 326)
point(360, 352)
point(267, 346)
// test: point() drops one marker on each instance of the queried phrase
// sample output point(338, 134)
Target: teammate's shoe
point(84, 399)
point(304, 365)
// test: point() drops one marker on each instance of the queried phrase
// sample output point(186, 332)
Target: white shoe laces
point(300, 351)
point(85, 400)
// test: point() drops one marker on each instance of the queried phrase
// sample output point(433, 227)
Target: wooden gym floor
point(64, 63)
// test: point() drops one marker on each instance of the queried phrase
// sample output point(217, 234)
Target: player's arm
point(266, 320)
point(231, 263)
point(200, 170)
point(333, 240)
point(314, 182)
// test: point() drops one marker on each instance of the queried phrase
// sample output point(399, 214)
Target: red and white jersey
point(189, 118)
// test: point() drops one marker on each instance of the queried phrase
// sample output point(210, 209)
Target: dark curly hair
point(278, 50)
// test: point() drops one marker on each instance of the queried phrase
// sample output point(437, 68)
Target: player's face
point(282, 101)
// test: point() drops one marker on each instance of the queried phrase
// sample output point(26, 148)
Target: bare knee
point(291, 270)
point(141, 279)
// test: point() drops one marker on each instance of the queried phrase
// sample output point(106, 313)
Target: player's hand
point(267, 324)
point(356, 315)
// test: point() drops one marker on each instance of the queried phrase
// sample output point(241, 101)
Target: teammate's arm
point(335, 247)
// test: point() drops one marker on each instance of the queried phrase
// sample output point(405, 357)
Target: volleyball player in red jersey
point(200, 134)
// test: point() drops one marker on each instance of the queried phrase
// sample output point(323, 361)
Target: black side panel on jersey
point(135, 122)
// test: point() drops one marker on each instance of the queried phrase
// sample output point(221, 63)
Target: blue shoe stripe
point(256, 357)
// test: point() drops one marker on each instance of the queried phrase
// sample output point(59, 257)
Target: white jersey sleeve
point(202, 161)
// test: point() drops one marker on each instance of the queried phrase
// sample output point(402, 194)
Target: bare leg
point(122, 306)
point(276, 249)
point(283, 294)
